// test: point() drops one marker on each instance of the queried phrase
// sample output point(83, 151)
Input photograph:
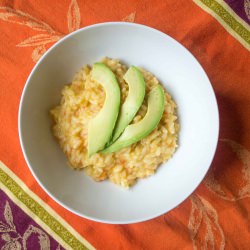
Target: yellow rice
point(82, 100)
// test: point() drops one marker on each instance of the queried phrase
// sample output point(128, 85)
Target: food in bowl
point(84, 99)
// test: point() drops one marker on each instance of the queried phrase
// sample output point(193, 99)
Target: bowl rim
point(141, 26)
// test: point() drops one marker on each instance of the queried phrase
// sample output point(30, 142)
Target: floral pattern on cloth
point(233, 15)
point(19, 231)
point(205, 228)
point(201, 222)
point(46, 35)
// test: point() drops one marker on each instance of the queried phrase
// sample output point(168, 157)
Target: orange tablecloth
point(216, 216)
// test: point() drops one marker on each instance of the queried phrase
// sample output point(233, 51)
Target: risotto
point(82, 100)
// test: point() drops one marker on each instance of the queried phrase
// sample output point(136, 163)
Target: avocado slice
point(135, 132)
point(133, 102)
point(100, 128)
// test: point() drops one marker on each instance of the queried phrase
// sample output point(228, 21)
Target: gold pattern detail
point(8, 216)
point(38, 40)
point(203, 225)
point(39, 211)
point(9, 226)
point(213, 185)
point(38, 52)
point(73, 16)
point(130, 18)
point(58, 247)
point(48, 35)
point(42, 237)
point(13, 240)
point(247, 8)
point(236, 26)
point(244, 156)
point(12, 244)
point(18, 17)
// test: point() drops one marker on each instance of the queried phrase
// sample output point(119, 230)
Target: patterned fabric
point(23, 211)
point(241, 8)
point(216, 215)
point(19, 231)
point(235, 19)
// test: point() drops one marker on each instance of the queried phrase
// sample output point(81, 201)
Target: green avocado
point(135, 132)
point(133, 102)
point(100, 128)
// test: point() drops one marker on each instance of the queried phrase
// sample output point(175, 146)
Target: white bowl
point(182, 76)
